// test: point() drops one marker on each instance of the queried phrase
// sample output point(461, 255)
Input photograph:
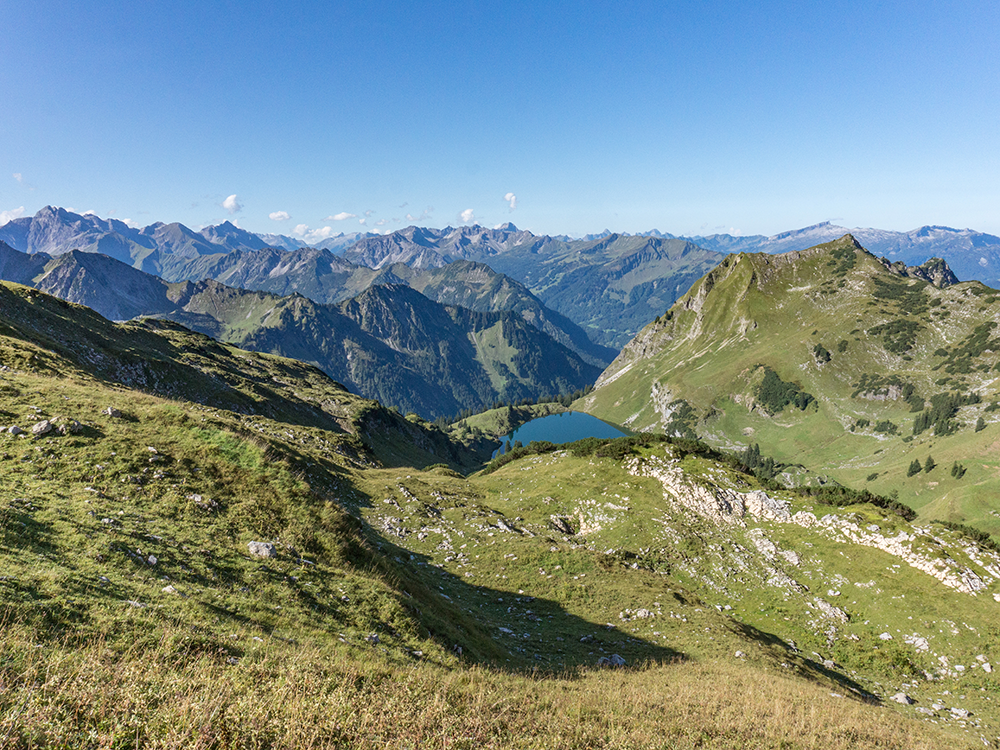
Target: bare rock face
point(112, 412)
point(262, 549)
point(717, 503)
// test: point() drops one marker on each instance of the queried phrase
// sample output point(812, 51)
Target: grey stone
point(903, 698)
point(42, 428)
point(611, 661)
point(961, 713)
point(504, 526)
point(262, 549)
point(15, 430)
point(112, 412)
point(561, 525)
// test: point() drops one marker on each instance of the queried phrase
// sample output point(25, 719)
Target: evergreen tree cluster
point(941, 414)
point(774, 394)
point(751, 461)
point(822, 354)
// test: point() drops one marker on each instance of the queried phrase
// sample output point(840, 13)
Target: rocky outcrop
point(729, 507)
point(719, 504)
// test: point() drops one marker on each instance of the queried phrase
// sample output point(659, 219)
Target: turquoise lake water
point(566, 427)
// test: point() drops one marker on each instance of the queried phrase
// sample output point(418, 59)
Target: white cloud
point(279, 216)
point(313, 236)
point(232, 204)
point(424, 215)
point(467, 216)
point(14, 213)
point(511, 201)
point(130, 223)
point(382, 222)
point(89, 213)
point(18, 176)
point(342, 216)
point(362, 222)
point(368, 213)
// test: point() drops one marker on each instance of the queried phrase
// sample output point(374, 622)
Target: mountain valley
point(244, 528)
point(248, 527)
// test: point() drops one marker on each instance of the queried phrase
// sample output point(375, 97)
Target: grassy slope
point(773, 310)
point(98, 651)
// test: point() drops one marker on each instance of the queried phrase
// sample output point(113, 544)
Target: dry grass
point(286, 696)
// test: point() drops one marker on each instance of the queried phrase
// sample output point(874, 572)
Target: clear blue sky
point(689, 117)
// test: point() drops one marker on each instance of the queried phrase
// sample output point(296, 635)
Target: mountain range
point(609, 284)
point(388, 342)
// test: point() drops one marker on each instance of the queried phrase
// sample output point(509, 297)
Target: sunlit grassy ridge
point(404, 606)
point(877, 351)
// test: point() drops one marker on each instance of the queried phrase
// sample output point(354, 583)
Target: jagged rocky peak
point(934, 271)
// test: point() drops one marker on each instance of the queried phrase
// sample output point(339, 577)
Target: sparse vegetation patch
point(898, 336)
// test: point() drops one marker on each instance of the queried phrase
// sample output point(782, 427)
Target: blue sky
point(687, 117)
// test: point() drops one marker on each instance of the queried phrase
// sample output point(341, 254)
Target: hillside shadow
point(502, 628)
point(801, 665)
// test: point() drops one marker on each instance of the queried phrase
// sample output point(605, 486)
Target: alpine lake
point(565, 427)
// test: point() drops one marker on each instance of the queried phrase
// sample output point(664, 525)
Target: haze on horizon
point(564, 119)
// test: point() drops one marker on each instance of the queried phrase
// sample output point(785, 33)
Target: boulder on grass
point(262, 549)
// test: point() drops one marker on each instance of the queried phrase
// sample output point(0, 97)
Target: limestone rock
point(262, 549)
point(112, 412)
point(903, 698)
point(14, 430)
point(611, 661)
point(42, 428)
point(72, 427)
point(561, 525)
